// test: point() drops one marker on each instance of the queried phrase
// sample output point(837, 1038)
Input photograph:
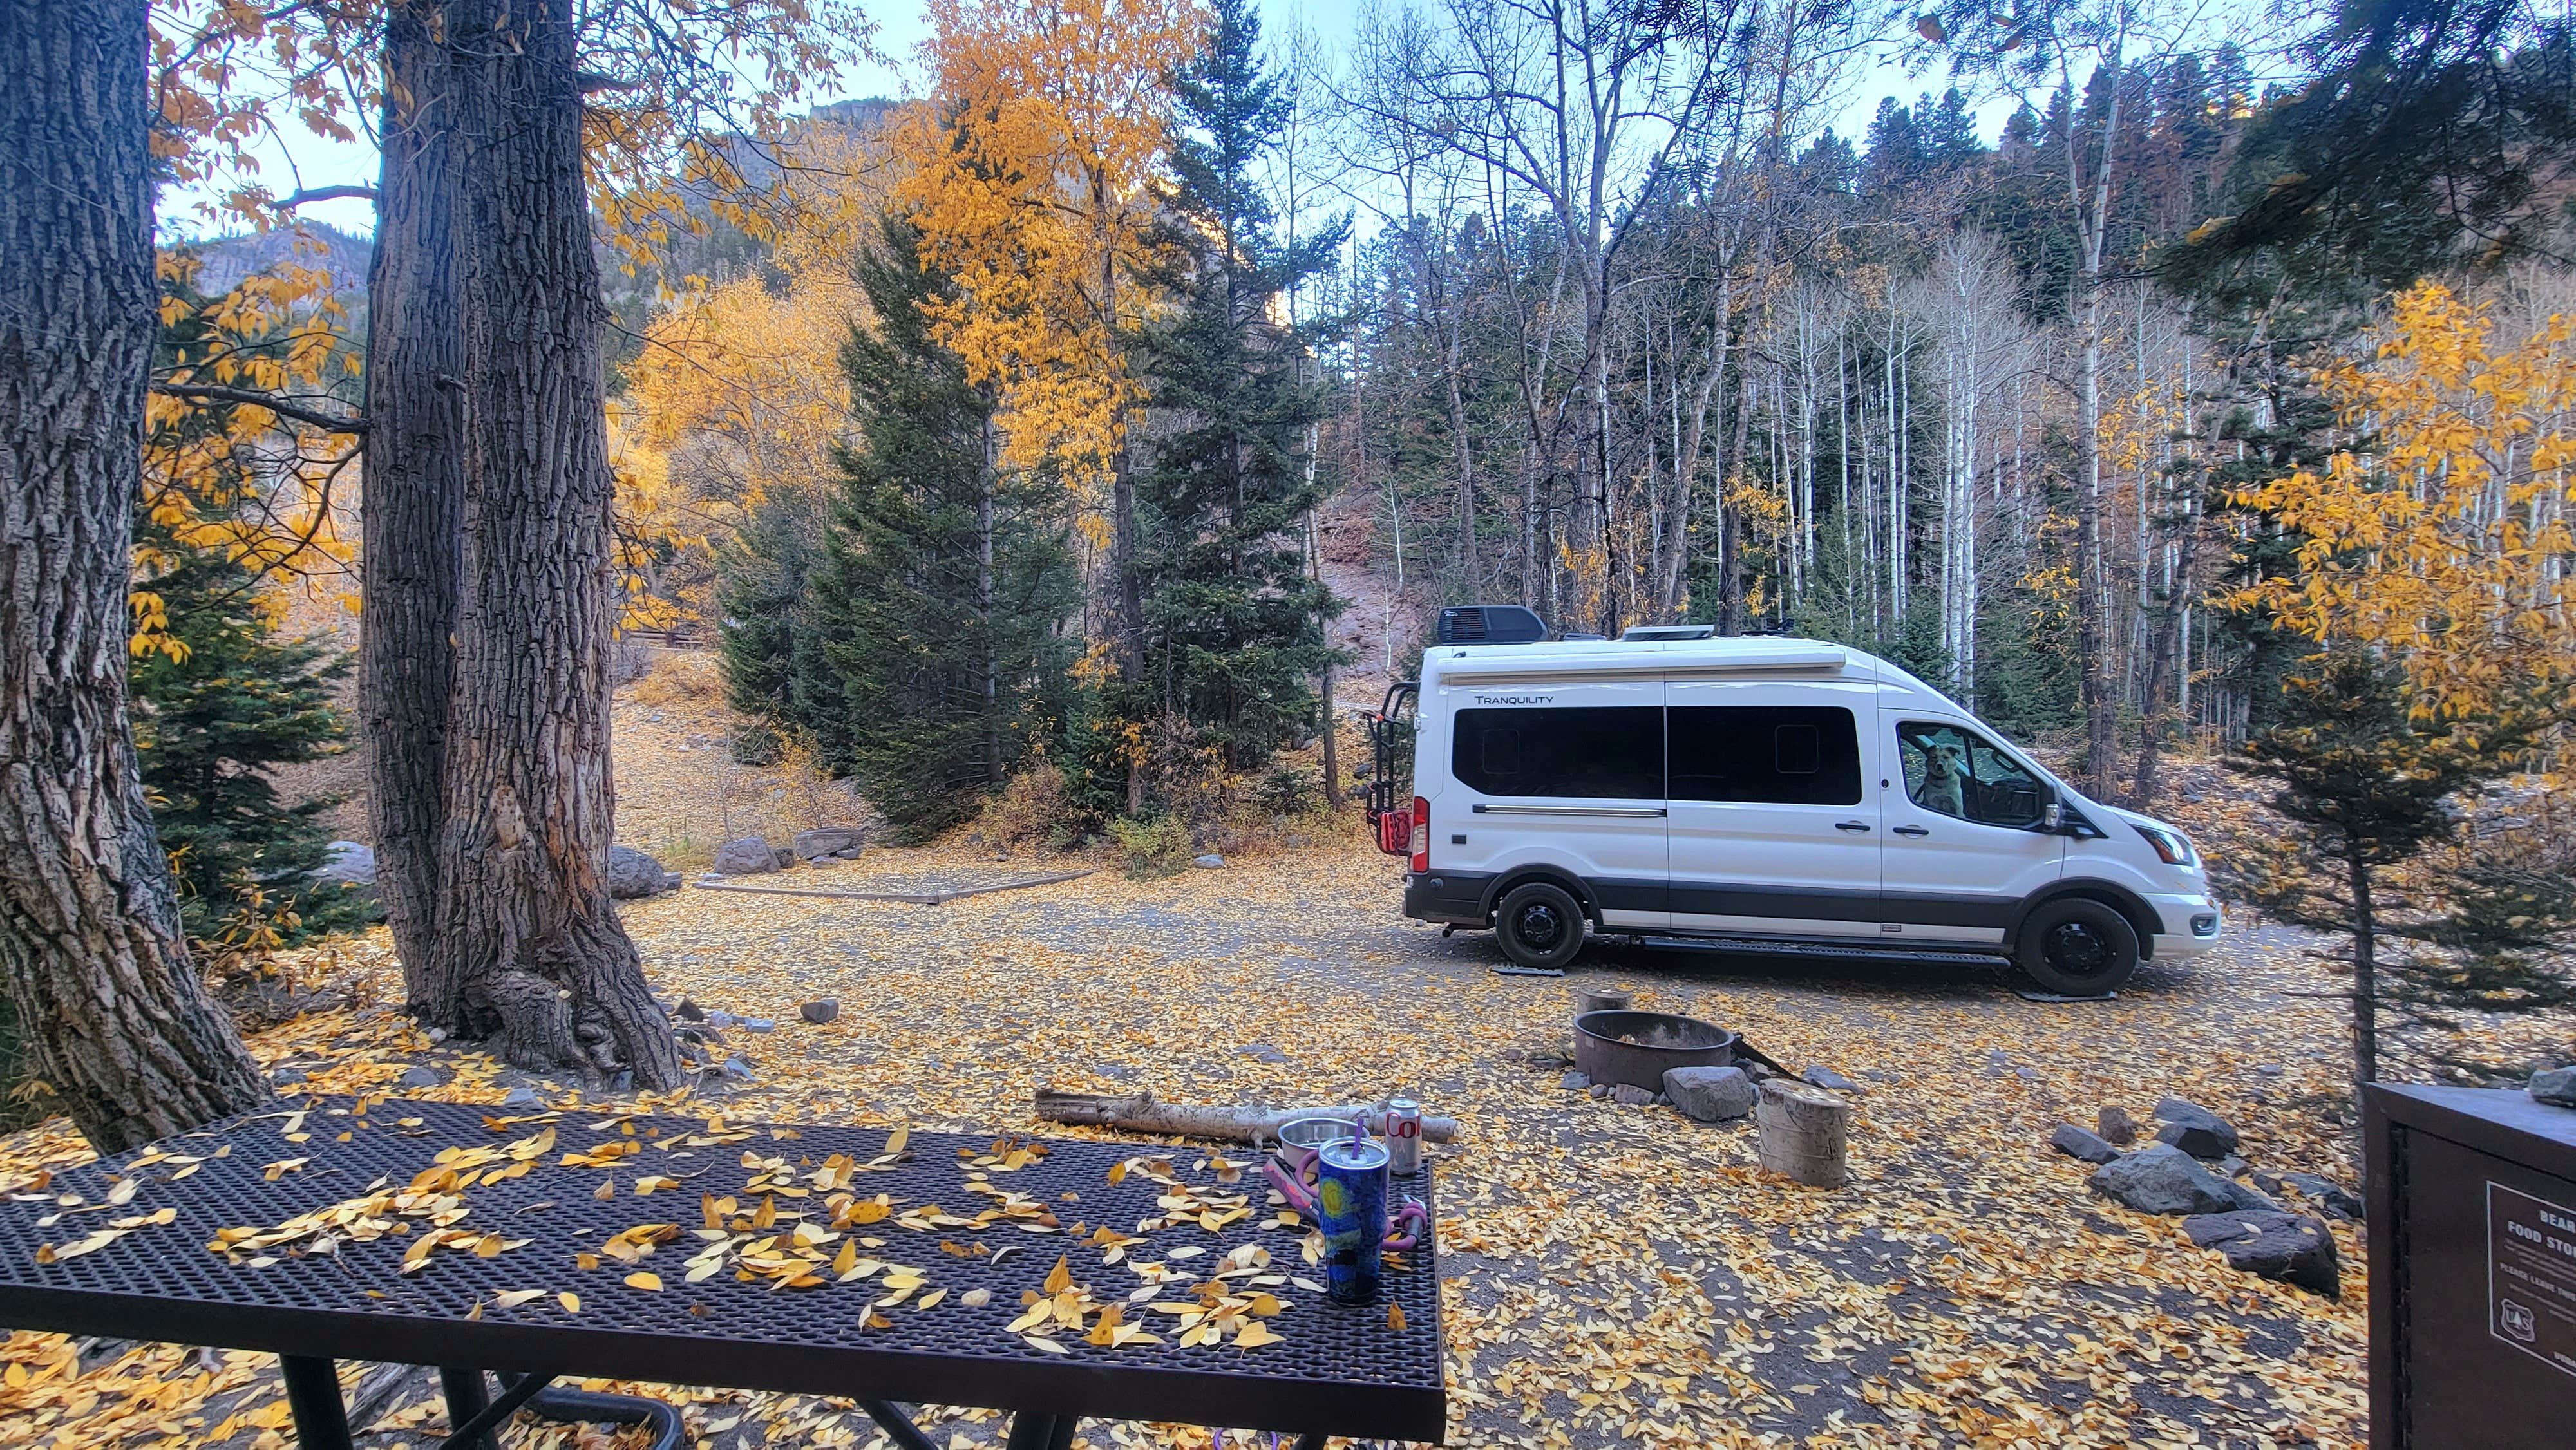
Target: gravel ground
point(1612, 1275)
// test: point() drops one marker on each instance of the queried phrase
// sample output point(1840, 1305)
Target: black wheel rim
point(1539, 926)
point(2078, 949)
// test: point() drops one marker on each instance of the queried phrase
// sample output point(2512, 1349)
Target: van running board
point(1758, 946)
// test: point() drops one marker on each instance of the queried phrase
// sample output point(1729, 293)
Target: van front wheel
point(2077, 947)
point(1540, 925)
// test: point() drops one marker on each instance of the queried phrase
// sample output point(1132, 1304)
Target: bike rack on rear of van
point(1390, 786)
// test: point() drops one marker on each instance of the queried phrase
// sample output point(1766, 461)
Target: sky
point(902, 25)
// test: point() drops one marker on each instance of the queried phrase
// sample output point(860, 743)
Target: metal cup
point(1350, 1202)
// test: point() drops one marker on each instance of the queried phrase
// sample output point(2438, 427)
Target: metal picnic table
point(833, 1261)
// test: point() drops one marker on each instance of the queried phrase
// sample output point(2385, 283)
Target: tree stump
point(1803, 1131)
point(1602, 999)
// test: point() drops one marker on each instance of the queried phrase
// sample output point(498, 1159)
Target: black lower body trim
point(1718, 898)
point(1456, 898)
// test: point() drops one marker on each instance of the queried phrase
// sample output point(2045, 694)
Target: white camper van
point(1763, 794)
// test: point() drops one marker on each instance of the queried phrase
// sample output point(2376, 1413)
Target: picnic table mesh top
point(84, 1249)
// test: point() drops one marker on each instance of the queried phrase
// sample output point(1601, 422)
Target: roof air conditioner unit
point(1490, 624)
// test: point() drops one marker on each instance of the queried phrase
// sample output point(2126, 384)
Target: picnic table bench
point(1051, 1279)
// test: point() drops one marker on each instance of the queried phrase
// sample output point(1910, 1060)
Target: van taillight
point(1421, 834)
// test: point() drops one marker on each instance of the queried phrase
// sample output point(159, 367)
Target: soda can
point(1403, 1137)
point(1350, 1201)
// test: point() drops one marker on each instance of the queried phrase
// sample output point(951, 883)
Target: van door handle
point(1912, 831)
point(1851, 825)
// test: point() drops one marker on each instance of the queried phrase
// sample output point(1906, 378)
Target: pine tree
point(1234, 627)
point(763, 578)
point(212, 719)
point(944, 579)
point(2431, 926)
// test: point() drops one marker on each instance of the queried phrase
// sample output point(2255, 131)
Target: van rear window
point(1613, 753)
point(1807, 755)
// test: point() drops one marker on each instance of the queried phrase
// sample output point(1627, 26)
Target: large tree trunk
point(414, 491)
point(540, 957)
point(89, 924)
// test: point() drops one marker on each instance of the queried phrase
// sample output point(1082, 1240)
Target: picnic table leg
point(466, 1398)
point(1033, 1431)
point(313, 1395)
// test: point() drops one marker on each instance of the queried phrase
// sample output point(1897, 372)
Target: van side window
point(1803, 755)
point(1615, 752)
point(1957, 772)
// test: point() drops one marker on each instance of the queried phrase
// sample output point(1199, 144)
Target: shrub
point(1151, 846)
point(1032, 808)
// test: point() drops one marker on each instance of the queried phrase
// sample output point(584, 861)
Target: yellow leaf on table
point(513, 1298)
point(896, 1139)
point(1049, 1345)
point(1253, 1335)
point(570, 1301)
point(1060, 1278)
point(643, 1281)
point(586, 1260)
point(1395, 1317)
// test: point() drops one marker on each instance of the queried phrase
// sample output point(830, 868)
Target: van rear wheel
point(1540, 925)
point(2077, 948)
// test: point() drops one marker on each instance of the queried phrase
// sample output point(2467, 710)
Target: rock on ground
point(2330, 1198)
point(830, 841)
point(2074, 1142)
point(820, 1010)
point(350, 865)
point(1209, 862)
point(748, 856)
point(1826, 1077)
point(2116, 1126)
point(1574, 1082)
point(2194, 1129)
point(1711, 1094)
point(633, 874)
point(2251, 1198)
point(1632, 1095)
point(2289, 1248)
point(2161, 1178)
point(2557, 1086)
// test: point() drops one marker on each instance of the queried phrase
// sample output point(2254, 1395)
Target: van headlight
point(2172, 847)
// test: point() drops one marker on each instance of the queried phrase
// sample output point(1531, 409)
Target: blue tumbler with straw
point(1350, 1200)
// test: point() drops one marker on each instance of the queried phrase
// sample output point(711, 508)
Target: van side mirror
point(2052, 816)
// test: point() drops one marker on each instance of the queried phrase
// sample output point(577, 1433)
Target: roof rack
point(1655, 633)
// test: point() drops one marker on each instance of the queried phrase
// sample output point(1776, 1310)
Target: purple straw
point(1359, 1133)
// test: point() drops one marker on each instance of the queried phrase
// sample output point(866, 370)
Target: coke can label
point(1403, 1136)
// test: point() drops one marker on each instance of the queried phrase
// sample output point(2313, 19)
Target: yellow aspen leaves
point(2439, 533)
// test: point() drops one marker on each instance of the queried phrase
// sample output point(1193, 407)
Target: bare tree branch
point(209, 393)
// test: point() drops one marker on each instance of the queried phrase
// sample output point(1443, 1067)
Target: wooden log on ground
point(1145, 1113)
point(1803, 1131)
point(1602, 999)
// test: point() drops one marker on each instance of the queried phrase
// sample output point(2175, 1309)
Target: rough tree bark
point(89, 924)
point(539, 957)
point(414, 491)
